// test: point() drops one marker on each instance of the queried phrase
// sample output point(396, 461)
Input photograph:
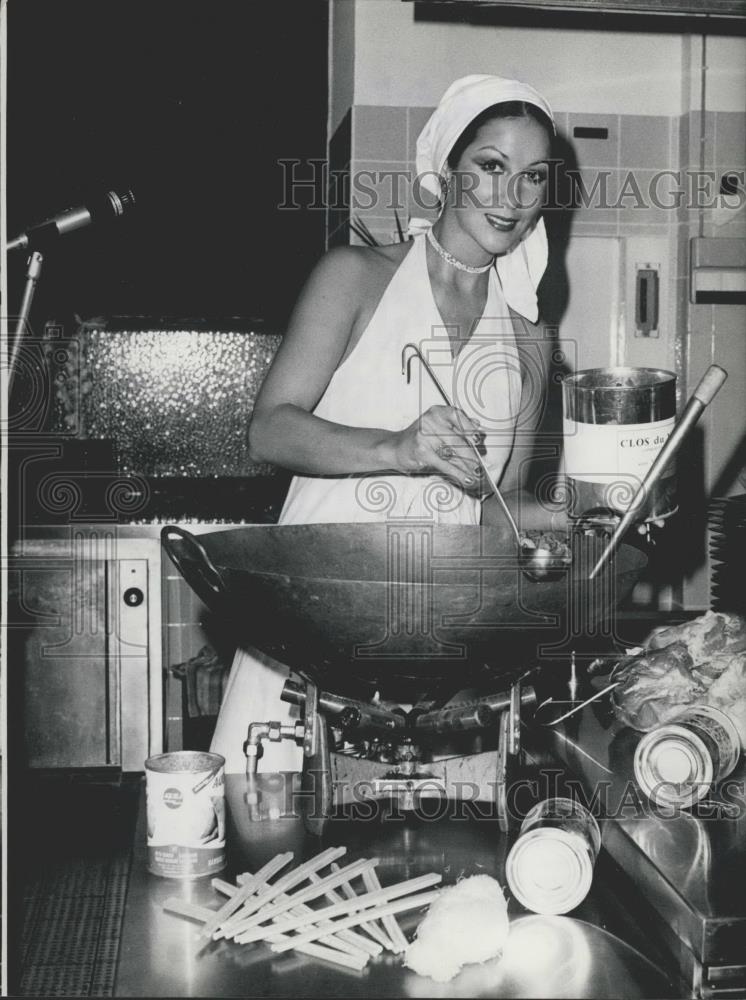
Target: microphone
point(110, 205)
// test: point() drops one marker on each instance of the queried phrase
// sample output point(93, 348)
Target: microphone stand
point(33, 273)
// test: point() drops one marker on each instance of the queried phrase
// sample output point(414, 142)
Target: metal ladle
point(538, 565)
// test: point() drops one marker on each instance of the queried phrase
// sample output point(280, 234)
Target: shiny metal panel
point(128, 647)
point(688, 864)
point(92, 675)
point(160, 954)
point(58, 645)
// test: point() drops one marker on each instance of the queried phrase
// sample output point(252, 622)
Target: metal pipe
point(478, 714)
point(357, 714)
point(272, 731)
point(473, 715)
point(33, 274)
point(252, 747)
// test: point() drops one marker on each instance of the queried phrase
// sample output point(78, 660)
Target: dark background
point(190, 105)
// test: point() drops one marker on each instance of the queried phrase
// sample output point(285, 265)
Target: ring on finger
point(445, 451)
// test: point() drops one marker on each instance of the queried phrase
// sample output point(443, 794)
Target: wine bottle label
point(599, 453)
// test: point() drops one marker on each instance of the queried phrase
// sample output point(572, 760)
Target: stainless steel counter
point(160, 954)
point(688, 866)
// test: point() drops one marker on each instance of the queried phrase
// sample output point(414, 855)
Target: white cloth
point(252, 694)
point(520, 270)
point(369, 390)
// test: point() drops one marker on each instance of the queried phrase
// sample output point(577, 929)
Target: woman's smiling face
point(499, 186)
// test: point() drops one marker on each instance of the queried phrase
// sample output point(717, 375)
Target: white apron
point(369, 390)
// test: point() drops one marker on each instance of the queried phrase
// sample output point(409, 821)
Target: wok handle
point(199, 571)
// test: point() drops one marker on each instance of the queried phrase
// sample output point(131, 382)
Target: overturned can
point(185, 793)
point(678, 762)
point(615, 421)
point(550, 866)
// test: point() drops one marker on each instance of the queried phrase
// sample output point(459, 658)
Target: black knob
point(350, 717)
point(133, 597)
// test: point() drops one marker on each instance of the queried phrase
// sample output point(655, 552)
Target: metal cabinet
point(85, 647)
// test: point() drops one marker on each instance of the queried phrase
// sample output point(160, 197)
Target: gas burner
point(357, 751)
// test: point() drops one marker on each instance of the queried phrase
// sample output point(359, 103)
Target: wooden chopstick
point(193, 911)
point(249, 887)
point(264, 895)
point(364, 942)
point(376, 913)
point(358, 941)
point(370, 926)
point(312, 892)
point(399, 942)
point(226, 888)
point(259, 910)
point(330, 955)
point(369, 899)
point(340, 942)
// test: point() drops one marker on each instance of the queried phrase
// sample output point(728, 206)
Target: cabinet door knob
point(133, 597)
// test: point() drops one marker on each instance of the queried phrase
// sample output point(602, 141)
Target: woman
point(335, 404)
point(365, 444)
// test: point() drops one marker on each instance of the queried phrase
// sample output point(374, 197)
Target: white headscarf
point(520, 270)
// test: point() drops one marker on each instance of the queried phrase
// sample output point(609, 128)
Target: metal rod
point(461, 717)
point(361, 715)
point(708, 386)
point(577, 708)
point(573, 677)
point(33, 273)
point(476, 714)
point(406, 363)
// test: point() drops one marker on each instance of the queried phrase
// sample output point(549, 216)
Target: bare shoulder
point(355, 260)
point(355, 277)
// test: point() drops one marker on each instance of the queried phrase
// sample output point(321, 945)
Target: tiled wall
point(725, 151)
point(711, 334)
point(617, 173)
point(338, 189)
point(376, 145)
point(381, 142)
point(188, 627)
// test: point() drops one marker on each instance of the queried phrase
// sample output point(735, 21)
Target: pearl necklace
point(454, 261)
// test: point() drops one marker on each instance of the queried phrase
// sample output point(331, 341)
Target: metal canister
point(550, 866)
point(185, 793)
point(615, 421)
point(678, 762)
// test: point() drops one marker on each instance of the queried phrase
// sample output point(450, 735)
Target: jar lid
point(549, 870)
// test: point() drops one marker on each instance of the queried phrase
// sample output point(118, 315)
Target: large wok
point(379, 601)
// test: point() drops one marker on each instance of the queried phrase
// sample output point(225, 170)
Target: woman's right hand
point(438, 442)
